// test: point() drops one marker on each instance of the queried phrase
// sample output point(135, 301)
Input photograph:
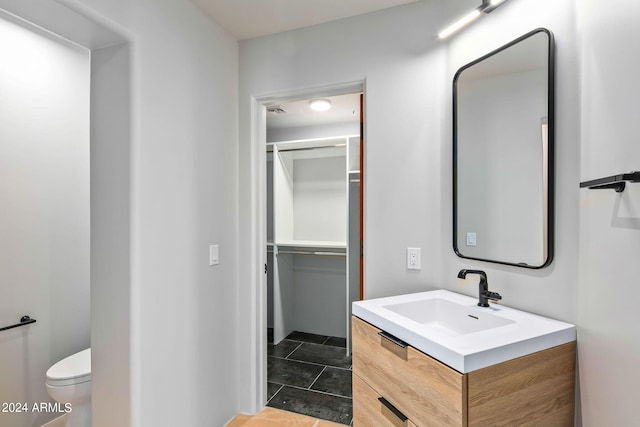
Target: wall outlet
point(471, 239)
point(413, 258)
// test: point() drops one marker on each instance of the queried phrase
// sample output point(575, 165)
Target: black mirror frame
point(551, 150)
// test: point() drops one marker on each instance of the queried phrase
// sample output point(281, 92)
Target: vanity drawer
point(369, 411)
point(425, 390)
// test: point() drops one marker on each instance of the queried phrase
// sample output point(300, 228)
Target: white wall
point(521, 288)
point(404, 65)
point(184, 97)
point(184, 198)
point(396, 51)
point(608, 344)
point(320, 213)
point(178, 194)
point(111, 234)
point(320, 198)
point(319, 295)
point(44, 219)
point(408, 105)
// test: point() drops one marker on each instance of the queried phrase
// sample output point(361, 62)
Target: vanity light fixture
point(487, 6)
point(320, 104)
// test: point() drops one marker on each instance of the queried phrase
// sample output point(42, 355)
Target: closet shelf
point(615, 182)
point(320, 244)
point(314, 253)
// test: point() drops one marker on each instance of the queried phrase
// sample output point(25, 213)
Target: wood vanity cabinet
point(396, 386)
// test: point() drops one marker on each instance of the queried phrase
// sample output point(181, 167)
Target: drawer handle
point(393, 409)
point(389, 337)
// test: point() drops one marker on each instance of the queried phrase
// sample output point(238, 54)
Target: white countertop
point(517, 333)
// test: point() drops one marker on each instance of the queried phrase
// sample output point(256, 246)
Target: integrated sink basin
point(451, 328)
point(448, 317)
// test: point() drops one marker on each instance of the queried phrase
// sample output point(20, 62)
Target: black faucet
point(484, 295)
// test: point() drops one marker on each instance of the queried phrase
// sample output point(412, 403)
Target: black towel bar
point(616, 182)
point(24, 320)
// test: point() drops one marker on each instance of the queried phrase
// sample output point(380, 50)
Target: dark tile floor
point(310, 374)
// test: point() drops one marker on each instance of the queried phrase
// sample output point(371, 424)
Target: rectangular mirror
point(503, 127)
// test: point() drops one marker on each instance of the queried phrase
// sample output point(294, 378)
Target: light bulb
point(320, 104)
point(465, 20)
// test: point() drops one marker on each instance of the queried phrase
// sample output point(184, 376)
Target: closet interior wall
point(310, 222)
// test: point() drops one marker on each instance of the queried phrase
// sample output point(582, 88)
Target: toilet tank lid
point(76, 365)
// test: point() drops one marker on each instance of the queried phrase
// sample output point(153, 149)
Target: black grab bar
point(24, 320)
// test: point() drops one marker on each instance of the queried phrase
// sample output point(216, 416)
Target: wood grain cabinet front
point(417, 384)
point(370, 409)
point(537, 389)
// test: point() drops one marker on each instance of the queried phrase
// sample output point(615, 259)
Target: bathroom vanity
point(529, 381)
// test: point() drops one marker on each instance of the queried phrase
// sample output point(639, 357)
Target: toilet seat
point(75, 369)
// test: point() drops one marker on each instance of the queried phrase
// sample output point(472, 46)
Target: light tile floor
point(58, 422)
point(272, 417)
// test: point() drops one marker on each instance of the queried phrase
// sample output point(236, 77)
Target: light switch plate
point(413, 258)
point(214, 255)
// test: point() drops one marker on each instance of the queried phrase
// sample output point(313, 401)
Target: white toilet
point(69, 381)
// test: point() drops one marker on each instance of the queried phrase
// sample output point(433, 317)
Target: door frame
point(258, 157)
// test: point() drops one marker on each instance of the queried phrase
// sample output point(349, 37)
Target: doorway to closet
point(314, 252)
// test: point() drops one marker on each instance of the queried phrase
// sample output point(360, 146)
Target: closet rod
point(312, 148)
point(313, 253)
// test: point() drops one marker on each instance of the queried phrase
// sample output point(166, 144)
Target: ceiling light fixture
point(487, 6)
point(320, 104)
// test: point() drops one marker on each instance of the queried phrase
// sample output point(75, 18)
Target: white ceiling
point(344, 109)
point(247, 19)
